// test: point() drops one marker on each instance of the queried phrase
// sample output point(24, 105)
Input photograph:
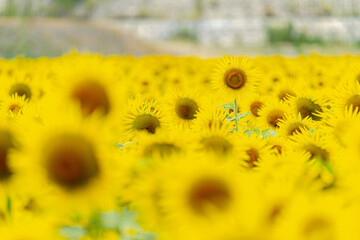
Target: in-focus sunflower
point(271, 114)
point(183, 107)
point(308, 105)
point(12, 106)
point(253, 103)
point(293, 124)
point(235, 76)
point(347, 96)
point(142, 115)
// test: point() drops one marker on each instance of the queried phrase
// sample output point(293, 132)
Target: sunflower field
point(117, 147)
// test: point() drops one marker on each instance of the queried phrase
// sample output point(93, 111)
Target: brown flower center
point(285, 94)
point(307, 108)
point(253, 157)
point(186, 108)
point(217, 144)
point(21, 90)
point(235, 78)
point(255, 107)
point(317, 152)
point(278, 148)
point(92, 96)
point(70, 161)
point(295, 128)
point(6, 144)
point(354, 101)
point(15, 108)
point(274, 118)
point(163, 149)
point(209, 192)
point(146, 122)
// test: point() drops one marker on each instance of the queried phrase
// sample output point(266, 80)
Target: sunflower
point(235, 76)
point(22, 85)
point(323, 156)
point(90, 82)
point(212, 117)
point(252, 151)
point(253, 103)
point(340, 125)
point(285, 89)
point(12, 106)
point(271, 114)
point(293, 124)
point(308, 105)
point(347, 96)
point(308, 217)
point(9, 143)
point(142, 115)
point(183, 107)
point(216, 140)
point(162, 144)
point(72, 157)
point(201, 196)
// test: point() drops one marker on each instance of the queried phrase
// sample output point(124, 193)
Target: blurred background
point(205, 28)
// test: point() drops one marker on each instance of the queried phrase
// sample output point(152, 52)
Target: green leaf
point(73, 232)
point(238, 117)
point(228, 106)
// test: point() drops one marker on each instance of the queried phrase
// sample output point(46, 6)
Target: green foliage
point(287, 33)
point(10, 9)
point(120, 222)
point(63, 7)
point(185, 33)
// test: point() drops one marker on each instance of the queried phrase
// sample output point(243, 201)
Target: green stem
point(235, 115)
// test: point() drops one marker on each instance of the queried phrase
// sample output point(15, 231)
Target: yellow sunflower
point(235, 76)
point(72, 157)
point(142, 115)
point(271, 114)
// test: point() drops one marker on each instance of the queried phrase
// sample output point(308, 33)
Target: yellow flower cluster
point(187, 148)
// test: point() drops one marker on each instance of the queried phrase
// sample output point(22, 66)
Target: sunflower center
point(215, 123)
point(21, 90)
point(6, 143)
point(354, 101)
point(217, 144)
point(163, 149)
point(253, 157)
point(274, 118)
point(317, 152)
point(235, 78)
point(285, 94)
point(209, 192)
point(15, 108)
point(278, 148)
point(71, 161)
point(146, 122)
point(92, 96)
point(275, 212)
point(186, 108)
point(308, 108)
point(296, 128)
point(255, 107)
